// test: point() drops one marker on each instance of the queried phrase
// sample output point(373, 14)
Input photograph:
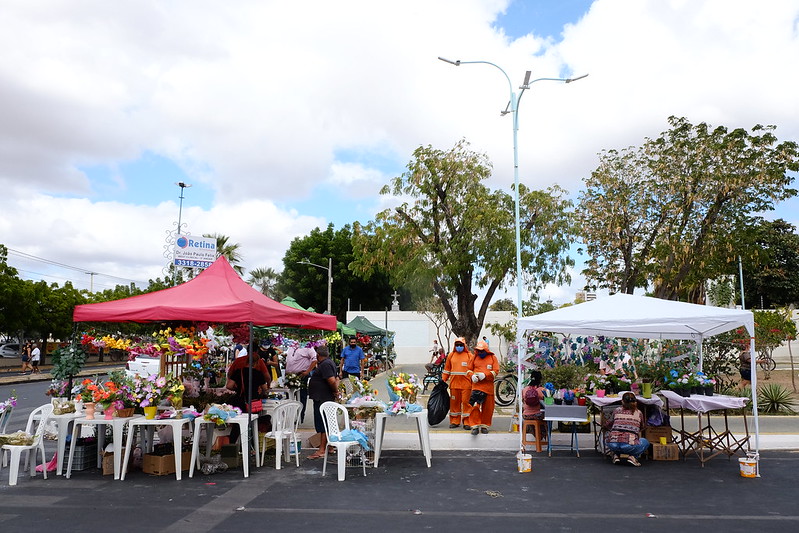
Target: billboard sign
point(194, 252)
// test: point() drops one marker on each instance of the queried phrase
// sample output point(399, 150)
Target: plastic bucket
point(748, 466)
point(524, 461)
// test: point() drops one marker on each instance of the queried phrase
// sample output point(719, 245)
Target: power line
point(70, 267)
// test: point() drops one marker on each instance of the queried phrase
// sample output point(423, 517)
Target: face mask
point(459, 349)
point(352, 345)
point(481, 353)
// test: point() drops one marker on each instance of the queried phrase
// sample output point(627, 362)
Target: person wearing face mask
point(460, 386)
point(352, 358)
point(482, 372)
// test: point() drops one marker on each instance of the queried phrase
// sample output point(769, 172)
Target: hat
point(460, 340)
point(483, 345)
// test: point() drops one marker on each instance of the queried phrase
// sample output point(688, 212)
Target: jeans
point(630, 449)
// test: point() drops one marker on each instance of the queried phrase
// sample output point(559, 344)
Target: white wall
point(414, 332)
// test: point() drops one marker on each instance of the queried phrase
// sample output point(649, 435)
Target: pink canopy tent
point(218, 294)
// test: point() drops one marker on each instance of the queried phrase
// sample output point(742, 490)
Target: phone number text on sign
point(192, 263)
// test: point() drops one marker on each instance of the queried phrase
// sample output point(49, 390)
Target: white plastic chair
point(44, 413)
point(5, 418)
point(285, 420)
point(330, 418)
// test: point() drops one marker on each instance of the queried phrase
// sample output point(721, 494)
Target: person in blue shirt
point(352, 359)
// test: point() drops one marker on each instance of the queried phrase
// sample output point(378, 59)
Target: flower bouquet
point(57, 389)
point(403, 389)
point(219, 413)
point(296, 381)
point(10, 403)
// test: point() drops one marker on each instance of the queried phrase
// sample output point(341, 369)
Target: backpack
point(531, 397)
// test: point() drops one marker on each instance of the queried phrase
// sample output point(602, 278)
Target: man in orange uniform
point(460, 386)
point(482, 372)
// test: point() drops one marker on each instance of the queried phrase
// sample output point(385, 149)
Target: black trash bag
point(438, 404)
point(477, 397)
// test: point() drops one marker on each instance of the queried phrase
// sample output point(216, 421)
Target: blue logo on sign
point(182, 242)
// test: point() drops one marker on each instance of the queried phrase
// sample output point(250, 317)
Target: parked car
point(10, 349)
point(143, 366)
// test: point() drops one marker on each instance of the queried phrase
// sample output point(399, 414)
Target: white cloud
point(256, 99)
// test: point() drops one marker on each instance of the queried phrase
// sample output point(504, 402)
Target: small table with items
point(604, 402)
point(246, 434)
point(177, 431)
point(707, 442)
point(421, 427)
point(564, 413)
point(117, 425)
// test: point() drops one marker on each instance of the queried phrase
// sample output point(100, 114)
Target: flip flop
point(315, 456)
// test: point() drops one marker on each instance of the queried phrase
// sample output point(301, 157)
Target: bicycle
point(505, 389)
point(767, 362)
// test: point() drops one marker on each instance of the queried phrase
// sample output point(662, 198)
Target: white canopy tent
point(641, 317)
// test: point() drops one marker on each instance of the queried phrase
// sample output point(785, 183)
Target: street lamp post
point(182, 186)
point(513, 108)
point(329, 269)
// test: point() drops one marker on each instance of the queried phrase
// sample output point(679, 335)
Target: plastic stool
point(540, 433)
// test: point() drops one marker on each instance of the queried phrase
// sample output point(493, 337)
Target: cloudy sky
point(288, 115)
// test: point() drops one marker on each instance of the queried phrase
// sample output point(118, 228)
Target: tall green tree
point(669, 213)
point(453, 235)
point(308, 284)
point(771, 276)
point(265, 280)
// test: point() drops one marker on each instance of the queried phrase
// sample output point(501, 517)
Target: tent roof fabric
point(362, 325)
point(218, 294)
point(626, 315)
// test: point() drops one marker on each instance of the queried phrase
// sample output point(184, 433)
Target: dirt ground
point(780, 377)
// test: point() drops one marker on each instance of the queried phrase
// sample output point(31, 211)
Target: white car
point(143, 366)
point(10, 349)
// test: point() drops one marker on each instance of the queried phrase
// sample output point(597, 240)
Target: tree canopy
point(308, 284)
point(453, 234)
point(771, 276)
point(670, 213)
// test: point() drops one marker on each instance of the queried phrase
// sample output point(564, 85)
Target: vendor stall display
point(708, 441)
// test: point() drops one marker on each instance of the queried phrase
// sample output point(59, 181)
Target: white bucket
point(748, 465)
point(524, 461)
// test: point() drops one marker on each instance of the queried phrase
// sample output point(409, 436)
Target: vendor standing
point(352, 359)
point(322, 387)
point(482, 372)
point(301, 360)
point(460, 386)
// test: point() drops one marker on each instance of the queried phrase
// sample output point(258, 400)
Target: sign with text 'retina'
point(194, 252)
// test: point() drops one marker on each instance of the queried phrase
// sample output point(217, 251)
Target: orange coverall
point(481, 415)
point(460, 386)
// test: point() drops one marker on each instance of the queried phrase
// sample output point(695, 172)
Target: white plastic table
point(421, 428)
point(241, 420)
point(117, 425)
point(564, 413)
point(63, 422)
point(177, 430)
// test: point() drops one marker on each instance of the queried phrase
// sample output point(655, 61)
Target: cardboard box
point(163, 465)
point(653, 434)
point(108, 462)
point(665, 452)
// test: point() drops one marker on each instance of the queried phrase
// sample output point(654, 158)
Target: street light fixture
point(182, 186)
point(513, 107)
point(329, 269)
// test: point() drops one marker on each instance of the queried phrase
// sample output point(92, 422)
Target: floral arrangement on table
point(296, 381)
point(58, 388)
point(352, 389)
point(594, 382)
point(219, 413)
point(149, 391)
point(619, 382)
point(10, 403)
point(403, 389)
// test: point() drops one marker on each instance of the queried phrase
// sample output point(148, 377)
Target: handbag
point(255, 406)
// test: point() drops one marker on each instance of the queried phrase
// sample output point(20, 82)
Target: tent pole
point(700, 343)
point(249, 392)
point(521, 355)
point(753, 370)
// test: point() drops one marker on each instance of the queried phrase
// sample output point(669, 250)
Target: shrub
point(773, 398)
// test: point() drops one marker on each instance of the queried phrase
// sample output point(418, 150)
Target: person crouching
point(626, 424)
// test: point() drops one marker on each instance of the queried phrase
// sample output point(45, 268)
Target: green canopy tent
point(364, 327)
point(345, 330)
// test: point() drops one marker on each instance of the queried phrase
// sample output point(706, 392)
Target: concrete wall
point(414, 332)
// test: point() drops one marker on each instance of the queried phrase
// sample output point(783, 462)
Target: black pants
point(344, 374)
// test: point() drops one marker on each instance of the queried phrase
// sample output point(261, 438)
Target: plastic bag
point(438, 404)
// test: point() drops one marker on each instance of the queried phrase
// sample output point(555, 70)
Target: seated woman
point(533, 398)
point(625, 427)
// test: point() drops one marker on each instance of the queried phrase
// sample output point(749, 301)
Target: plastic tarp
point(218, 294)
point(364, 327)
point(642, 317)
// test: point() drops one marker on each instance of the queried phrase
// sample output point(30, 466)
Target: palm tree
point(265, 280)
point(229, 250)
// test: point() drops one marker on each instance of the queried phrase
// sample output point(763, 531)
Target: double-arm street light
point(513, 108)
point(329, 269)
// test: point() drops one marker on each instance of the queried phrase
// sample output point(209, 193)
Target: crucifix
point(395, 303)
